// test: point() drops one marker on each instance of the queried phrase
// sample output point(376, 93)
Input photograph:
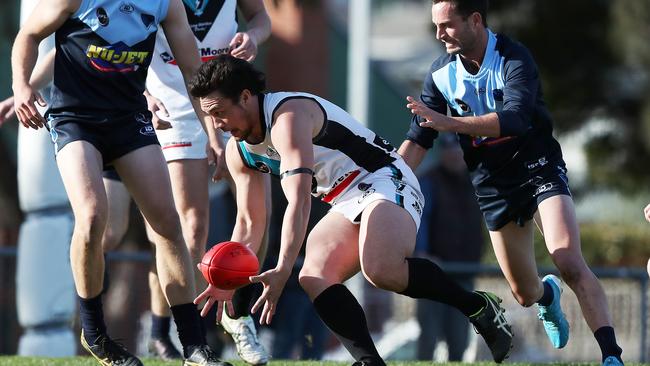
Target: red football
point(228, 265)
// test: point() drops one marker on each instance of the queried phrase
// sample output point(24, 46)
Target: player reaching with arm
point(317, 148)
point(98, 117)
point(492, 88)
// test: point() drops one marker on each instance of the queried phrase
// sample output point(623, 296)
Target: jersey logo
point(102, 16)
point(463, 106)
point(478, 141)
point(118, 57)
point(127, 8)
point(201, 15)
point(207, 54)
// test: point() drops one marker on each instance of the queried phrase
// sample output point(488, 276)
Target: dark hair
point(227, 75)
point(465, 8)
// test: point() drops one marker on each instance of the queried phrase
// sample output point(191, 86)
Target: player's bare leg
point(562, 238)
point(189, 181)
point(150, 187)
point(80, 165)
point(513, 248)
point(118, 214)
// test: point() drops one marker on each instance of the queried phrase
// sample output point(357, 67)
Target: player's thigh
point(386, 238)
point(144, 173)
point(561, 233)
point(331, 254)
point(119, 203)
point(514, 250)
point(189, 179)
point(80, 165)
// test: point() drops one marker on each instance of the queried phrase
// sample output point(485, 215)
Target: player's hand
point(217, 157)
point(157, 108)
point(273, 281)
point(7, 110)
point(243, 46)
point(28, 115)
point(212, 295)
point(432, 118)
point(646, 211)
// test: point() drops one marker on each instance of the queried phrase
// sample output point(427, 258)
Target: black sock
point(91, 315)
point(606, 339)
point(547, 297)
point(428, 281)
point(343, 315)
point(188, 323)
point(160, 326)
point(242, 301)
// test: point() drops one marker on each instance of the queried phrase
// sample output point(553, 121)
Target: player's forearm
point(412, 153)
point(43, 72)
point(248, 230)
point(294, 228)
point(23, 59)
point(259, 27)
point(486, 125)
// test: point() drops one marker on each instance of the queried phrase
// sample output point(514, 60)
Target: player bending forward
point(376, 206)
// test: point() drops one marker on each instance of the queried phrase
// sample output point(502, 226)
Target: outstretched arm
point(292, 137)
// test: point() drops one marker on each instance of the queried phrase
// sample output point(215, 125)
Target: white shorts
point(185, 140)
point(395, 183)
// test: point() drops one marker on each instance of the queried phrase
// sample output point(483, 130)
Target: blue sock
point(547, 298)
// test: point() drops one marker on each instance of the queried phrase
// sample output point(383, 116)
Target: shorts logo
point(262, 167)
point(364, 186)
point(418, 208)
point(127, 8)
point(537, 164)
point(544, 188)
point(366, 194)
point(142, 118)
point(399, 184)
point(148, 131)
point(102, 17)
point(272, 153)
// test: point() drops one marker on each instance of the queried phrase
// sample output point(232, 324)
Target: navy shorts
point(520, 203)
point(114, 136)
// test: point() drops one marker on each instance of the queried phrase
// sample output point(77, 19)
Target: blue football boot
point(612, 361)
point(555, 323)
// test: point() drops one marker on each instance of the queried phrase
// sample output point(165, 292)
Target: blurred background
point(594, 60)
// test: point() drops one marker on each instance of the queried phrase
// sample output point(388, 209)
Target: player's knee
point(90, 224)
point(167, 225)
point(526, 296)
point(195, 225)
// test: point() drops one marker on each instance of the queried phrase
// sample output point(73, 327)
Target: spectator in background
point(451, 231)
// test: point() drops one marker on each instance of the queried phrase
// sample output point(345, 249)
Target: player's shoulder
point(511, 49)
point(441, 62)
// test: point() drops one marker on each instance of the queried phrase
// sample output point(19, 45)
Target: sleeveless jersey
point(102, 54)
point(213, 23)
point(344, 150)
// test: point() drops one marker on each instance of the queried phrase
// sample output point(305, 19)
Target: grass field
point(87, 361)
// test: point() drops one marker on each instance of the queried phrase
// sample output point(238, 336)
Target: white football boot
point(244, 334)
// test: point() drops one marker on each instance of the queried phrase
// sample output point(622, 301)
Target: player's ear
point(245, 96)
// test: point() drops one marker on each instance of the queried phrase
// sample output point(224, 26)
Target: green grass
point(87, 361)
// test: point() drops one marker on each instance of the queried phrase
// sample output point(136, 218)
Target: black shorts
point(520, 204)
point(114, 136)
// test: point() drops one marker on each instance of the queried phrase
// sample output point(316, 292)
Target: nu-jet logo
point(118, 57)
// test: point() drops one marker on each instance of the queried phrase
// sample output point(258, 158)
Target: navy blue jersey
point(508, 84)
point(102, 54)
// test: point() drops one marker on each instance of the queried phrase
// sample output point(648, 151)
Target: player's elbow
point(513, 123)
